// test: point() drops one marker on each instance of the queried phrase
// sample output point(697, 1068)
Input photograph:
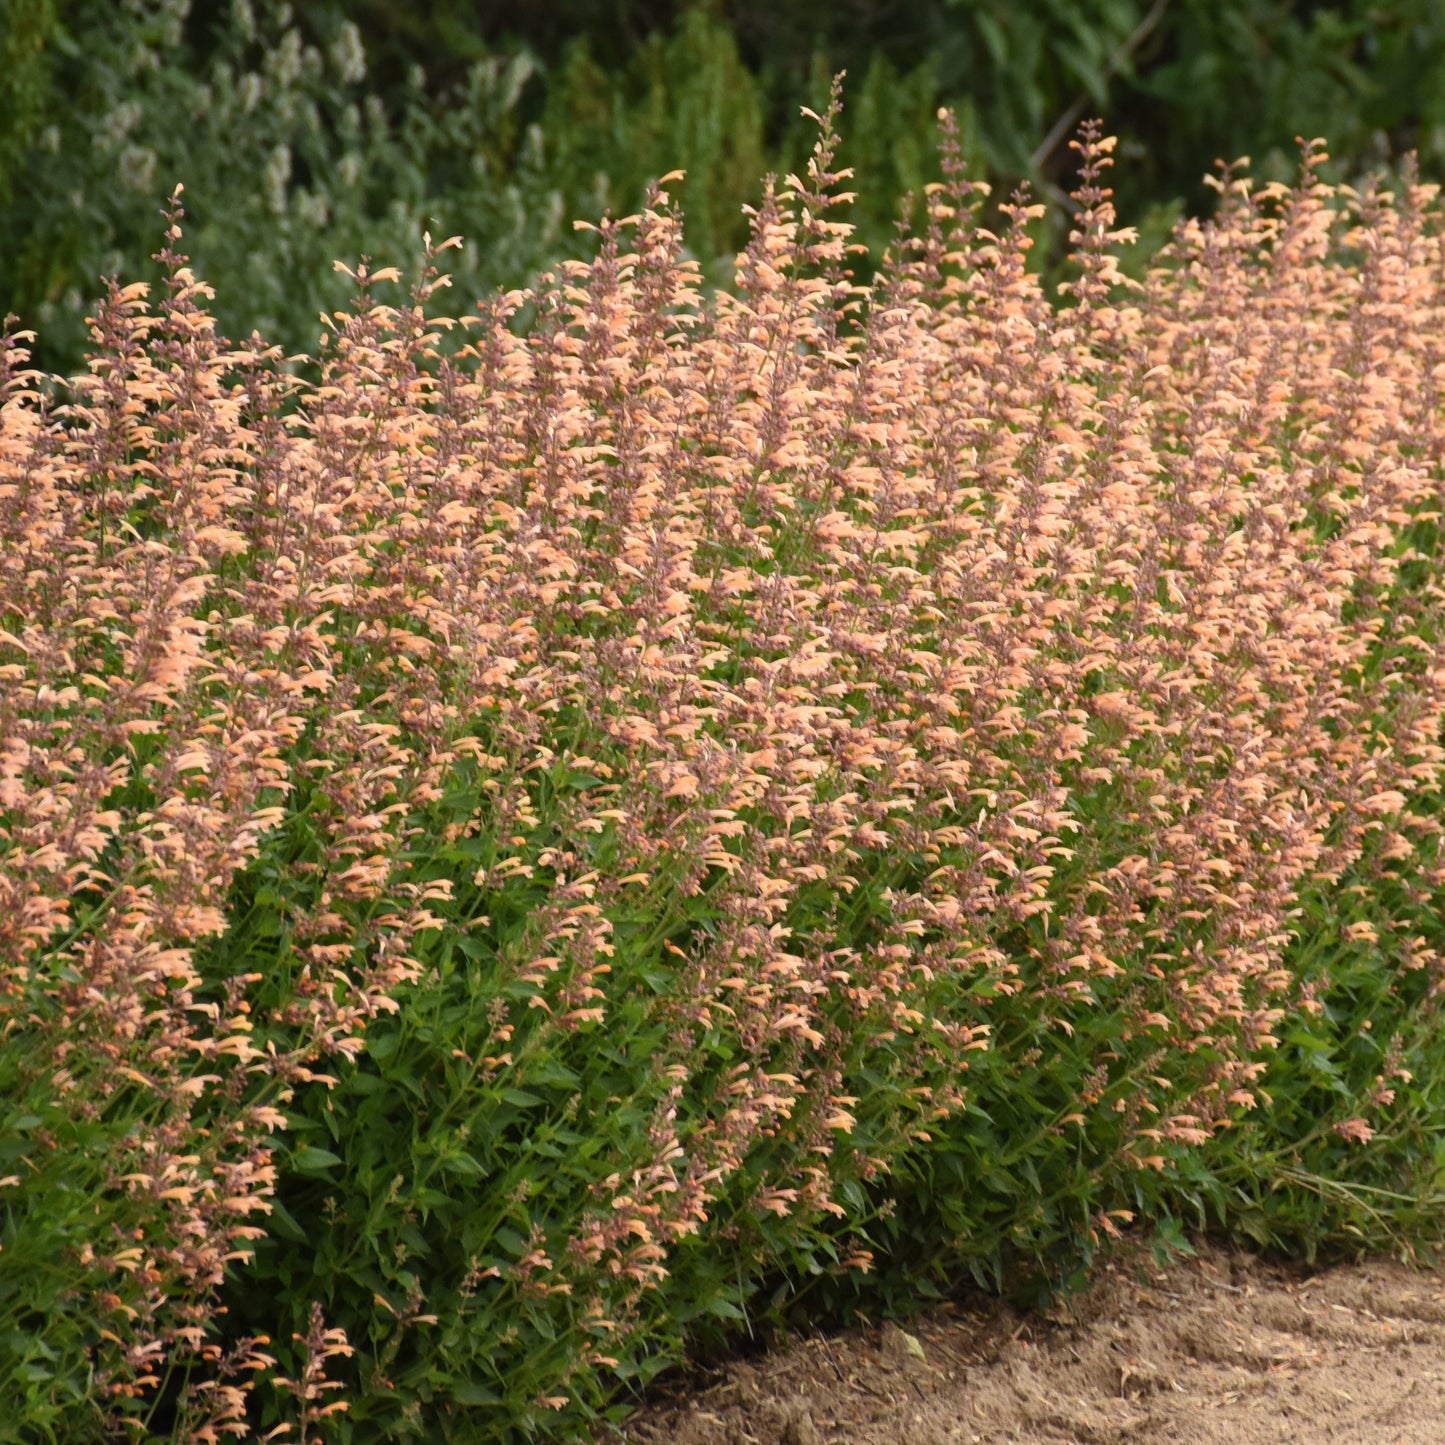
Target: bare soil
point(1223, 1349)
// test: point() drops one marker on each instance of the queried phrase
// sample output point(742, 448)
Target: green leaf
point(464, 1165)
point(313, 1160)
point(474, 1394)
point(511, 1241)
point(284, 1224)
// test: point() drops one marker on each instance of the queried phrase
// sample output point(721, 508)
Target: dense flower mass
point(867, 698)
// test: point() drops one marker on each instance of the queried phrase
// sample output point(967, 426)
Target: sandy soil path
point(1219, 1350)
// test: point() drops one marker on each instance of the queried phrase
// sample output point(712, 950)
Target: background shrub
point(344, 129)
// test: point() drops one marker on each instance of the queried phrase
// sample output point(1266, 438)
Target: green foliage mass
point(289, 161)
point(307, 134)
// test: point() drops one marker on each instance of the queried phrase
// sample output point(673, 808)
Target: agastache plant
point(527, 830)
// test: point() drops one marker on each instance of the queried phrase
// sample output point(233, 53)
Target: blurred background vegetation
point(346, 127)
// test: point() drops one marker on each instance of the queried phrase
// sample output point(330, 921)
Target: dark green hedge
point(308, 133)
